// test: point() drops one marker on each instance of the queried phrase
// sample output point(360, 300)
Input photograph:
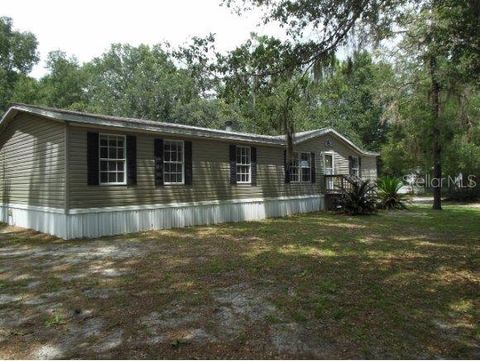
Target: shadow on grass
point(396, 285)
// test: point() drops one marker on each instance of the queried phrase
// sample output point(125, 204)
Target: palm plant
point(358, 198)
point(388, 193)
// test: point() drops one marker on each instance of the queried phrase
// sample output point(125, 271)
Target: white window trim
point(299, 159)
point(183, 162)
point(324, 162)
point(108, 159)
point(295, 158)
point(240, 164)
point(309, 154)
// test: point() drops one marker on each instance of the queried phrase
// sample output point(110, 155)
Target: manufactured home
point(74, 174)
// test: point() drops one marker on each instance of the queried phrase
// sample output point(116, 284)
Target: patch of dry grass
point(398, 285)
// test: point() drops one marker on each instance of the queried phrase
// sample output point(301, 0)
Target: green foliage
point(344, 95)
point(457, 35)
point(409, 142)
point(139, 82)
point(352, 101)
point(64, 85)
point(462, 150)
point(464, 194)
point(26, 90)
point(196, 59)
point(208, 113)
point(388, 193)
point(396, 160)
point(416, 130)
point(18, 54)
point(358, 198)
point(462, 155)
point(248, 83)
point(336, 21)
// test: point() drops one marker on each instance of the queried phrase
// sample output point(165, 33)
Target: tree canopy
point(18, 54)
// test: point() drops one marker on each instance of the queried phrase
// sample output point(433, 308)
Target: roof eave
point(9, 114)
point(80, 119)
point(162, 128)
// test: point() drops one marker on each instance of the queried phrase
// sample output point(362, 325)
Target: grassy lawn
point(400, 284)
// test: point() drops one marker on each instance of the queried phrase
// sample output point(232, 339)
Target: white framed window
point(329, 169)
point(294, 172)
point(244, 166)
point(173, 162)
point(355, 166)
point(301, 167)
point(328, 163)
point(112, 159)
point(306, 167)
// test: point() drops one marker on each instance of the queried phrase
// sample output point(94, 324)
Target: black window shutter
point(360, 167)
point(286, 167)
point(188, 162)
point(253, 162)
point(131, 160)
point(314, 176)
point(350, 164)
point(92, 159)
point(233, 164)
point(158, 153)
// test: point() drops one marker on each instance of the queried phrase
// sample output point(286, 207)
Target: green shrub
point(388, 193)
point(358, 198)
point(464, 194)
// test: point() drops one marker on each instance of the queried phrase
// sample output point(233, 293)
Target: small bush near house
point(388, 193)
point(358, 198)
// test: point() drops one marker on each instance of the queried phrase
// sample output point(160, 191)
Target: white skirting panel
point(96, 222)
point(43, 219)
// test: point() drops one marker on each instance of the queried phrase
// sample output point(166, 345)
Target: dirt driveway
point(315, 286)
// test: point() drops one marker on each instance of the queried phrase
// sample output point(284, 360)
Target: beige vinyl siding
point(32, 162)
point(341, 152)
point(210, 168)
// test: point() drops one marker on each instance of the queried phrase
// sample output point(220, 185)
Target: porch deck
point(337, 183)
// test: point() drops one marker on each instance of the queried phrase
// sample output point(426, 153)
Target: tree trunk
point(436, 145)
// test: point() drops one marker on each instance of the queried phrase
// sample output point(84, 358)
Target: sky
point(86, 28)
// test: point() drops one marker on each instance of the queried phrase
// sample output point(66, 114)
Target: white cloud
point(86, 28)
